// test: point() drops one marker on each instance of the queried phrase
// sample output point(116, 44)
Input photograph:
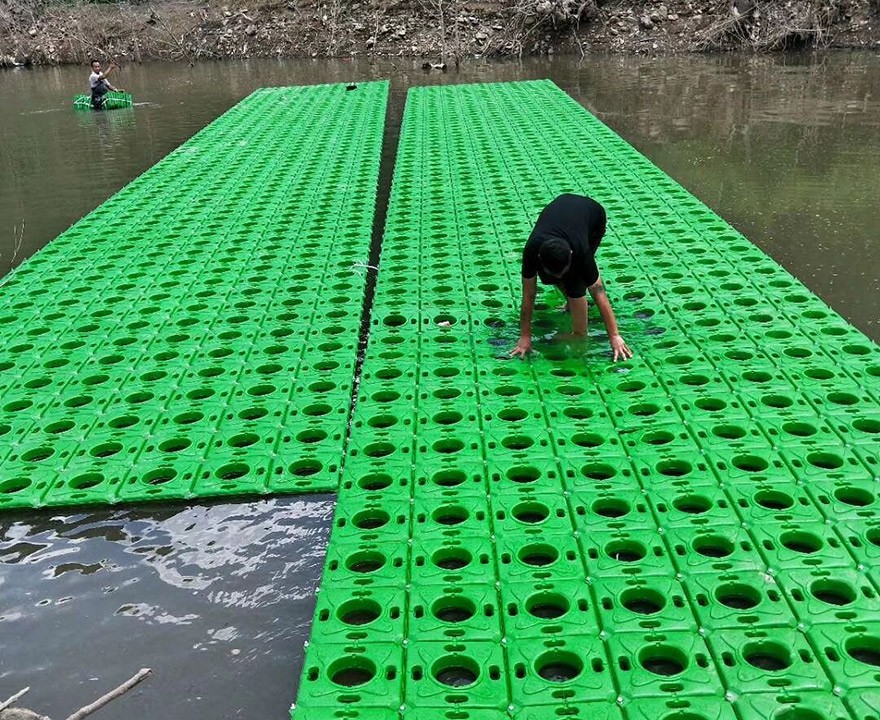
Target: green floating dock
point(113, 100)
point(691, 535)
point(196, 335)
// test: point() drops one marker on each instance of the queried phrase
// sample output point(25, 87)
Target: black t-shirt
point(578, 220)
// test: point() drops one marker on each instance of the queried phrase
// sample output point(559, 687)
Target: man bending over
point(561, 251)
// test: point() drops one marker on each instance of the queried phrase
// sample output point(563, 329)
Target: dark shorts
point(98, 93)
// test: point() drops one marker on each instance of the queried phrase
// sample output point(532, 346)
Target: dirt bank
point(42, 32)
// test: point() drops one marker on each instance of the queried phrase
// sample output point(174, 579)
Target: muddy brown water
point(217, 598)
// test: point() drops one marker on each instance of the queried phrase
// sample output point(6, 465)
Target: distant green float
point(113, 100)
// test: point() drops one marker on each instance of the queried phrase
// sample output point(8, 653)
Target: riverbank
point(437, 30)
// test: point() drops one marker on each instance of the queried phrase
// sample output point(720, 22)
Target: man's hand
point(618, 346)
point(522, 347)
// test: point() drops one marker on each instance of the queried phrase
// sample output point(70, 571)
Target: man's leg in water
point(564, 306)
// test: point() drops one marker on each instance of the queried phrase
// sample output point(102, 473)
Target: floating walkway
point(692, 535)
point(196, 335)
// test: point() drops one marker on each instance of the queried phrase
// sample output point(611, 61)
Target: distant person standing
point(98, 83)
point(561, 251)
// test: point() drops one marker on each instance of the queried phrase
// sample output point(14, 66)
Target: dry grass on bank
point(50, 32)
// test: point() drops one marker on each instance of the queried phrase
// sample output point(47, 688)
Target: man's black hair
point(554, 255)
point(93, 62)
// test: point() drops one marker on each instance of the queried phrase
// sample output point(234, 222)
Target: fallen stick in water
point(14, 698)
point(112, 695)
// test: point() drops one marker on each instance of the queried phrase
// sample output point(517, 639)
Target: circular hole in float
point(663, 660)
point(359, 612)
point(365, 562)
point(590, 440)
point(674, 468)
point(642, 601)
point(382, 421)
point(306, 468)
point(448, 478)
point(450, 515)
point(713, 546)
point(833, 592)
point(517, 442)
point(86, 481)
point(453, 609)
point(598, 471)
point(38, 454)
point(865, 649)
point(351, 671)
point(750, 463)
point(865, 425)
point(311, 436)
point(523, 474)
point(455, 671)
point(658, 437)
point(773, 500)
point(159, 476)
point(692, 504)
point(611, 507)
point(451, 558)
point(558, 666)
point(737, 596)
point(796, 713)
point(801, 542)
point(547, 606)
point(799, 429)
point(538, 555)
point(826, 461)
point(370, 519)
point(174, 445)
point(626, 551)
point(769, 656)
point(107, 449)
point(530, 513)
point(374, 481)
point(728, 432)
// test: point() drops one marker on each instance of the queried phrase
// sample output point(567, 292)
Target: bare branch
point(141, 675)
point(14, 699)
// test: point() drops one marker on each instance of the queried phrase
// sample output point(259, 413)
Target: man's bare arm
point(618, 346)
point(529, 291)
point(597, 292)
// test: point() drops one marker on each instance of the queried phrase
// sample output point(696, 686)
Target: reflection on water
point(780, 147)
point(107, 123)
point(203, 595)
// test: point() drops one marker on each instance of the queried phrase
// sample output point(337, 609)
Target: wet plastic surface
point(196, 335)
point(677, 537)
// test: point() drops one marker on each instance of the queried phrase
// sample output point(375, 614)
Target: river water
point(217, 598)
